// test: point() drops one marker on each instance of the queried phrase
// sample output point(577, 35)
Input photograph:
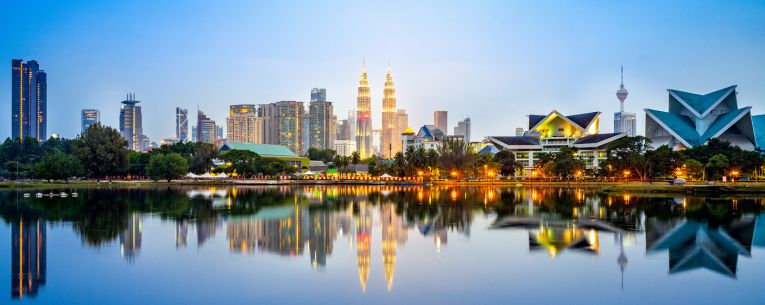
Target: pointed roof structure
point(693, 119)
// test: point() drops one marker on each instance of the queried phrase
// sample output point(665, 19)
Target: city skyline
point(473, 80)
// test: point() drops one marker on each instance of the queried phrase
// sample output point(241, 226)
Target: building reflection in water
point(693, 245)
point(131, 236)
point(181, 233)
point(363, 242)
point(393, 233)
point(28, 257)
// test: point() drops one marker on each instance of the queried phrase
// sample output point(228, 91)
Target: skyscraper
point(181, 124)
point(624, 121)
point(440, 120)
point(29, 100)
point(390, 143)
point(206, 128)
point(364, 117)
point(244, 125)
point(463, 129)
point(321, 126)
point(318, 95)
point(290, 116)
point(131, 123)
point(89, 117)
point(270, 121)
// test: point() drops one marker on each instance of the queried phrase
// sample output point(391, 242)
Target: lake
point(379, 244)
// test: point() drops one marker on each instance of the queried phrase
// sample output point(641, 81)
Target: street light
point(626, 174)
point(734, 174)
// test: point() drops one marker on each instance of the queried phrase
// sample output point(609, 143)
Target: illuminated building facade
point(206, 128)
point(290, 116)
point(321, 124)
point(391, 130)
point(89, 117)
point(364, 117)
point(131, 123)
point(29, 100)
point(181, 125)
point(549, 133)
point(244, 125)
point(28, 257)
point(694, 119)
point(344, 147)
point(428, 137)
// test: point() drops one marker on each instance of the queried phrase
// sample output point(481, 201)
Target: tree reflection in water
point(292, 221)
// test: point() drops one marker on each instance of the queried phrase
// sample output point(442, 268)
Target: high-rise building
point(624, 121)
point(376, 141)
point(131, 123)
point(244, 125)
point(343, 131)
point(463, 129)
point(290, 116)
point(206, 128)
point(440, 120)
point(181, 124)
point(344, 147)
point(321, 126)
point(402, 121)
point(352, 125)
point(270, 121)
point(364, 117)
point(89, 117)
point(29, 100)
point(318, 95)
point(218, 132)
point(390, 131)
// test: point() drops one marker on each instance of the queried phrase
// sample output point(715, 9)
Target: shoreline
point(604, 187)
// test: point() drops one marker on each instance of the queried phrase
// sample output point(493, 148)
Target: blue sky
point(493, 61)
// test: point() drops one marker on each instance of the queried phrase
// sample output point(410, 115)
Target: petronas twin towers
point(394, 121)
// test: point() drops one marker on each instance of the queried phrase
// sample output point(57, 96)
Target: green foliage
point(57, 165)
point(663, 161)
point(138, 162)
point(326, 155)
point(102, 151)
point(694, 169)
point(506, 161)
point(355, 158)
point(717, 165)
point(166, 166)
point(629, 154)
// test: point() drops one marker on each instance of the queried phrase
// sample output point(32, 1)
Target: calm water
point(402, 245)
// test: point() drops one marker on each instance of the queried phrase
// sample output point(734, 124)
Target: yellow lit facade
point(364, 117)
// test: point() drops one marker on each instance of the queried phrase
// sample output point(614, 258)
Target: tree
point(102, 151)
point(57, 166)
point(138, 162)
point(628, 154)
point(566, 163)
point(455, 154)
point(325, 155)
point(662, 161)
point(717, 163)
point(201, 158)
point(355, 158)
point(166, 166)
point(399, 165)
point(693, 168)
point(507, 163)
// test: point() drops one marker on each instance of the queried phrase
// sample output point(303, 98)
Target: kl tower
point(623, 121)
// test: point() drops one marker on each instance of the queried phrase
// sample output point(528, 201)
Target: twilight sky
point(493, 61)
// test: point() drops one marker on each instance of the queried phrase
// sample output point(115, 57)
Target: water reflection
point(695, 233)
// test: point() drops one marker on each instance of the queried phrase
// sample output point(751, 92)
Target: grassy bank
point(695, 189)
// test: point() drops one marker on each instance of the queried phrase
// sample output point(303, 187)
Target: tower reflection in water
point(699, 233)
point(28, 246)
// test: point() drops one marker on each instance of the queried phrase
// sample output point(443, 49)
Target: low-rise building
point(279, 152)
point(549, 133)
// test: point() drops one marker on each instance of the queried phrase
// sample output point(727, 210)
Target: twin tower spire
point(390, 143)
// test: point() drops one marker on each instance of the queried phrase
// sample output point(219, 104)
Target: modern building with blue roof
point(549, 133)
point(694, 119)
